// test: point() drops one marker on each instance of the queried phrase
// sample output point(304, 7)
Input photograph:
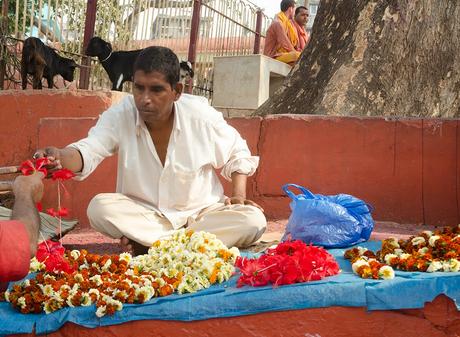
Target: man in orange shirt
point(19, 236)
point(281, 36)
point(299, 22)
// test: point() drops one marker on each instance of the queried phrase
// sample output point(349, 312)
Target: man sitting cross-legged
point(299, 22)
point(169, 145)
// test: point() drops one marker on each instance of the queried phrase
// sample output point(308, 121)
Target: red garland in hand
point(29, 167)
point(62, 174)
point(49, 252)
point(61, 212)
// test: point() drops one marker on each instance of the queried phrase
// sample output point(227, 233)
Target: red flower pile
point(290, 262)
point(51, 253)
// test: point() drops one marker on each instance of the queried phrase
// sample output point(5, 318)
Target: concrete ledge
point(406, 168)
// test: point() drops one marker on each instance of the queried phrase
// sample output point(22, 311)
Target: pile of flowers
point(290, 262)
point(426, 252)
point(186, 262)
point(198, 259)
point(366, 265)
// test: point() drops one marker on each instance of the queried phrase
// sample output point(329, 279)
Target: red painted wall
point(439, 318)
point(408, 169)
point(21, 110)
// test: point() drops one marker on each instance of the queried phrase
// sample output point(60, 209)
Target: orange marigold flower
point(166, 290)
point(213, 277)
point(224, 254)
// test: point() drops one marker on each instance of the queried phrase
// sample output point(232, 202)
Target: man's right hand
point(53, 154)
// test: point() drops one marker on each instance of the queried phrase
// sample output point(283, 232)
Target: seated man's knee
point(99, 206)
point(255, 219)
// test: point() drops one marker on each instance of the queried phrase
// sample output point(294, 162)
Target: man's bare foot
point(139, 249)
point(133, 247)
point(126, 245)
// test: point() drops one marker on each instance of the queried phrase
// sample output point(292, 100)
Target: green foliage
point(29, 5)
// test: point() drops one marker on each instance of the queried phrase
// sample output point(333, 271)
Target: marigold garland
point(426, 252)
point(187, 262)
point(290, 262)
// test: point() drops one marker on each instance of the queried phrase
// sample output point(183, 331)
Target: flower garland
point(365, 264)
point(186, 262)
point(426, 252)
point(49, 252)
point(290, 262)
point(39, 165)
point(198, 257)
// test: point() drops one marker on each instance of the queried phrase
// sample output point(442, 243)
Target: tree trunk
point(377, 57)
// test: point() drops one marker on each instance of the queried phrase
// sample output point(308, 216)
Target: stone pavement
point(98, 243)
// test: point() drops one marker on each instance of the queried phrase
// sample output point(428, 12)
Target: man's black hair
point(285, 4)
point(297, 10)
point(160, 59)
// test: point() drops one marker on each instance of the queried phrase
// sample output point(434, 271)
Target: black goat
point(41, 61)
point(119, 64)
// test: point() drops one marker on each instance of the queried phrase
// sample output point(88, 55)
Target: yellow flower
point(386, 273)
point(126, 257)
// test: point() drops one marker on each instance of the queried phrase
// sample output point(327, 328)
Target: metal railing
point(197, 30)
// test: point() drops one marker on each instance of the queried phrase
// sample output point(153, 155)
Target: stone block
point(246, 82)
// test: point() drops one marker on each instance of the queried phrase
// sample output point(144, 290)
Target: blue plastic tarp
point(407, 290)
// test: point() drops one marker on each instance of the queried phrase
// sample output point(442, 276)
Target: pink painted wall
point(439, 318)
point(408, 169)
point(21, 110)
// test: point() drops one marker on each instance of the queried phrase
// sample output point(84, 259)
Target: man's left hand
point(242, 201)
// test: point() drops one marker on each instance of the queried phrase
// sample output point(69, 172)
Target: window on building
point(167, 27)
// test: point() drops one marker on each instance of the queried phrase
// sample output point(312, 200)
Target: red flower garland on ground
point(51, 253)
point(290, 262)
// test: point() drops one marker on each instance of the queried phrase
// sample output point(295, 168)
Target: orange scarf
point(302, 34)
point(288, 28)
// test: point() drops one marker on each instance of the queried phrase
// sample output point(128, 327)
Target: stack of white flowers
point(197, 259)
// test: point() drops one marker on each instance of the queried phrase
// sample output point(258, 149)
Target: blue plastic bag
point(333, 221)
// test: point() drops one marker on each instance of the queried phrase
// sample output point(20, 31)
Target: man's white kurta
point(201, 141)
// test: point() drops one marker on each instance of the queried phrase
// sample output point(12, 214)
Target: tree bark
point(377, 57)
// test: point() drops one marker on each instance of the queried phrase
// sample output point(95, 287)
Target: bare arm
point(239, 191)
point(239, 185)
point(28, 190)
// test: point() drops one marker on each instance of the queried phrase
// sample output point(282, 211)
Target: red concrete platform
point(439, 318)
